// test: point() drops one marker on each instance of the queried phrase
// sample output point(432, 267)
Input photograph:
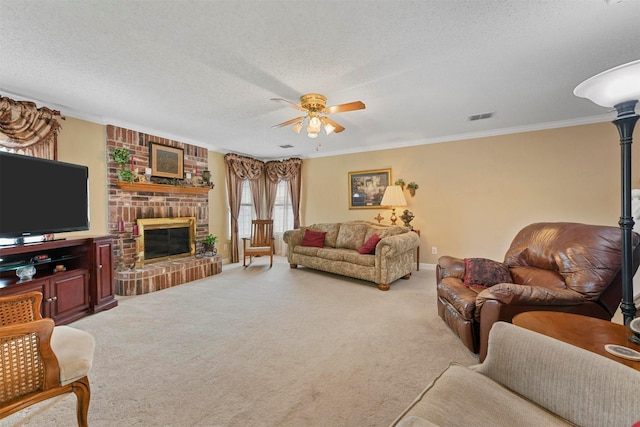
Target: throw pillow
point(313, 238)
point(369, 246)
point(485, 272)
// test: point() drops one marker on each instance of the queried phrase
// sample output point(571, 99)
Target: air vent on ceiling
point(286, 146)
point(481, 116)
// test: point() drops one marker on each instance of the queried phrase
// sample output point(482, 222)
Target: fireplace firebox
point(161, 239)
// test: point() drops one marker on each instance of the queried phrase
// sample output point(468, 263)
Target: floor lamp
point(619, 88)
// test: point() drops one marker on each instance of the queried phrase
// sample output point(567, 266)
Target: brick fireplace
point(128, 204)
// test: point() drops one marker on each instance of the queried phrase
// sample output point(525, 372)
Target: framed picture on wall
point(366, 188)
point(166, 162)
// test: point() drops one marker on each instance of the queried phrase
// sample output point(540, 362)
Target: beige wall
point(83, 143)
point(476, 194)
point(218, 205)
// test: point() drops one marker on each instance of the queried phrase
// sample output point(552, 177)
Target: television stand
point(75, 276)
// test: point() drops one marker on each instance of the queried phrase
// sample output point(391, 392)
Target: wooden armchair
point(261, 241)
point(39, 360)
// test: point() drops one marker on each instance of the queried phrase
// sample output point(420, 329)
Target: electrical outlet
point(434, 250)
point(226, 247)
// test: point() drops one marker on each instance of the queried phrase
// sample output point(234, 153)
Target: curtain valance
point(278, 170)
point(244, 167)
point(24, 126)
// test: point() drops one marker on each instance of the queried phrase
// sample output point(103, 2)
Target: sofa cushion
point(369, 246)
point(330, 254)
point(485, 272)
point(331, 230)
point(313, 238)
point(306, 250)
point(74, 350)
point(412, 421)
point(365, 260)
point(384, 230)
point(479, 401)
point(351, 235)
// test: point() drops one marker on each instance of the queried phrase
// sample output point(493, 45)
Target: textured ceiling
point(203, 72)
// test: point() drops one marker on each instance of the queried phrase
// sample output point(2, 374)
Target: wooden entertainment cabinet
point(85, 286)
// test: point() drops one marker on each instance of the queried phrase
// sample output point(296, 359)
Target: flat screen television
point(39, 196)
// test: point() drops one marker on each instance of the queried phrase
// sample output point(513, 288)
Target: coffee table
point(582, 331)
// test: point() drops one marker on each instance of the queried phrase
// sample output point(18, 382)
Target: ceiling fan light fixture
point(314, 122)
point(329, 128)
point(315, 104)
point(314, 126)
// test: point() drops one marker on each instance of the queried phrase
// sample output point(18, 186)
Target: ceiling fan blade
point(327, 120)
point(350, 106)
point(289, 122)
point(289, 103)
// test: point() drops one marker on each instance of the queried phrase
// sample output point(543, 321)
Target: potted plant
point(122, 156)
point(209, 243)
point(399, 182)
point(412, 186)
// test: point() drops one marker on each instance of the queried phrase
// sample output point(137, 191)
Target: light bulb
point(312, 135)
point(329, 128)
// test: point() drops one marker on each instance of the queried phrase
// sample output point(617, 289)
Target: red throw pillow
point(485, 272)
point(313, 238)
point(369, 246)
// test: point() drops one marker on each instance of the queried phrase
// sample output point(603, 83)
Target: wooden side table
point(582, 331)
point(417, 251)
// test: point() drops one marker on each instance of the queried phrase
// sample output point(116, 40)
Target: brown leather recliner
point(569, 267)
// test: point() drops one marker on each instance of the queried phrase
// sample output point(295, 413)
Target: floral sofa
point(364, 250)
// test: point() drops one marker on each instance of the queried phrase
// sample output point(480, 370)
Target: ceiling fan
point(314, 105)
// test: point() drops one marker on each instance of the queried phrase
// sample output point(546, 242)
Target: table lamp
point(393, 196)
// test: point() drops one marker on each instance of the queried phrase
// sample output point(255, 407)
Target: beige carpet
point(262, 347)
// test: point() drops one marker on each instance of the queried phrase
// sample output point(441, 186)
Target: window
point(282, 210)
point(246, 211)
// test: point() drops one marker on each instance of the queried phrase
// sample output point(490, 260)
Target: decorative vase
point(210, 250)
point(407, 217)
point(26, 273)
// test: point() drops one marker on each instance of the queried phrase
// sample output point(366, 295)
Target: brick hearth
point(165, 274)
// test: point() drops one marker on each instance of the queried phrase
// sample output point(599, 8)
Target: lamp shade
point(613, 86)
point(393, 196)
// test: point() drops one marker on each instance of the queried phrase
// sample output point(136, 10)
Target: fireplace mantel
point(160, 188)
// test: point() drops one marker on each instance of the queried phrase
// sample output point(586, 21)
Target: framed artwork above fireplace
point(166, 162)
